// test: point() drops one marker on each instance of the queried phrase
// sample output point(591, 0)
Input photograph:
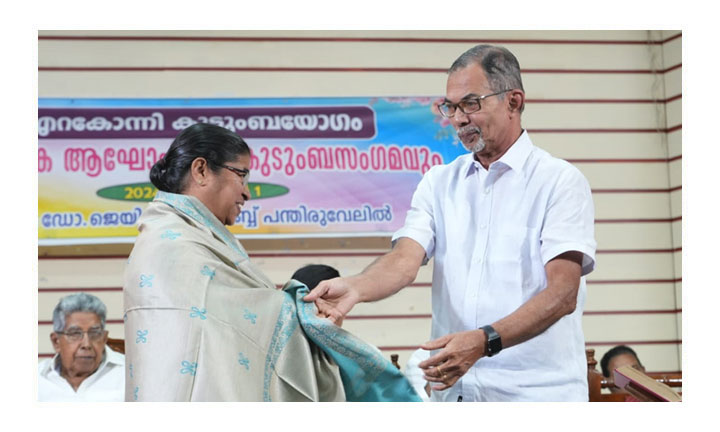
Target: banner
point(320, 167)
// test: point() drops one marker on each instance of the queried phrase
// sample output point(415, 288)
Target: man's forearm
point(548, 306)
point(391, 272)
point(531, 319)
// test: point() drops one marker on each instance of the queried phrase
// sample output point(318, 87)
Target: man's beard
point(468, 130)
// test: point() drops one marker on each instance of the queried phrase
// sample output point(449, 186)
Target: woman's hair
point(79, 302)
point(214, 143)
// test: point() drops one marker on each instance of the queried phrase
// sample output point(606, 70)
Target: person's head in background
point(617, 357)
point(312, 274)
point(210, 163)
point(79, 335)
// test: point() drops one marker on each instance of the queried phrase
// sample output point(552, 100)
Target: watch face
point(494, 344)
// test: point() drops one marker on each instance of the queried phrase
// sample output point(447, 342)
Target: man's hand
point(334, 298)
point(384, 277)
point(459, 352)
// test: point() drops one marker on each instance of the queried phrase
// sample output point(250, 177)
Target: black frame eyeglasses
point(76, 335)
point(243, 173)
point(467, 106)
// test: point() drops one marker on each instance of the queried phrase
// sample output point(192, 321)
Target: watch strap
point(494, 343)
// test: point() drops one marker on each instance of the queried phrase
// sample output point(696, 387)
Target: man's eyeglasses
point(244, 174)
point(467, 106)
point(74, 335)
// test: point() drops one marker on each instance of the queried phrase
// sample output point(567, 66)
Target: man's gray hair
point(501, 67)
point(79, 302)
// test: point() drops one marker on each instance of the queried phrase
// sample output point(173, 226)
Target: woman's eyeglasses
point(244, 174)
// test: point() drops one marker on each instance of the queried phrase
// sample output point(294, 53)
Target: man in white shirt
point(84, 368)
point(511, 231)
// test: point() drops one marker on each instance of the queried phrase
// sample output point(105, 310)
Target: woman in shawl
point(202, 323)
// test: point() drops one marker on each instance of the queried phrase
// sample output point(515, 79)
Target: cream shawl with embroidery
point(202, 323)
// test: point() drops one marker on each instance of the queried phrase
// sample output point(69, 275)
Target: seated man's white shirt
point(107, 384)
point(491, 233)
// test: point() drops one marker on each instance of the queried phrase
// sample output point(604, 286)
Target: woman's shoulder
point(170, 234)
point(159, 217)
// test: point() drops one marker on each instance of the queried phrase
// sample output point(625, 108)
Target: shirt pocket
point(515, 263)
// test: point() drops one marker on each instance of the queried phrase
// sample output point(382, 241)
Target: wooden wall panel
point(542, 116)
point(599, 86)
point(677, 234)
point(581, 145)
point(633, 266)
point(675, 172)
point(676, 204)
point(322, 54)
point(629, 297)
point(496, 36)
point(673, 111)
point(632, 236)
point(646, 327)
point(673, 82)
point(629, 205)
point(73, 273)
point(672, 51)
point(674, 143)
point(624, 175)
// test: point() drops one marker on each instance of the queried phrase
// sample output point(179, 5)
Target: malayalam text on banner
point(320, 167)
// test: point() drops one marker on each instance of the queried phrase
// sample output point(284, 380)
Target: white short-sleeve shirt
point(106, 384)
point(491, 233)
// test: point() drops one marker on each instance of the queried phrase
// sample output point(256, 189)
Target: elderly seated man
point(84, 368)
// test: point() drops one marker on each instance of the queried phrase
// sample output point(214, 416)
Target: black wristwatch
point(494, 344)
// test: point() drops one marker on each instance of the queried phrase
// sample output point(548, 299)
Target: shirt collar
point(514, 158)
point(113, 357)
point(110, 358)
point(518, 153)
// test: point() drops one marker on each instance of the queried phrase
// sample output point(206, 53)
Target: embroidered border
point(284, 327)
point(370, 362)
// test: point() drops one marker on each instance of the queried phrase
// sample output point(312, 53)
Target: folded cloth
point(366, 375)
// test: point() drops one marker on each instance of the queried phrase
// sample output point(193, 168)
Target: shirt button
point(487, 190)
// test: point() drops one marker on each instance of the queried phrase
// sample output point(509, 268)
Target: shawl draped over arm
point(203, 323)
